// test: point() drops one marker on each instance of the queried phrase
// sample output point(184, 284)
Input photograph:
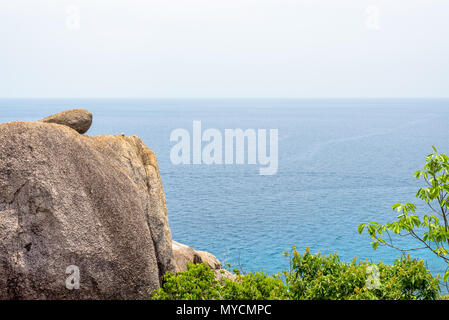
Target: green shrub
point(316, 276)
point(311, 276)
point(254, 286)
point(199, 283)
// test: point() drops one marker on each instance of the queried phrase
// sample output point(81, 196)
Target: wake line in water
point(317, 147)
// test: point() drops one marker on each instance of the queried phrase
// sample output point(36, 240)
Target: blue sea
point(341, 162)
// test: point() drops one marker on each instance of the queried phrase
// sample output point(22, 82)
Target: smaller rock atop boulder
point(184, 254)
point(77, 119)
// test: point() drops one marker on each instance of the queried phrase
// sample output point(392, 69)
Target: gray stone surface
point(79, 120)
point(184, 254)
point(70, 199)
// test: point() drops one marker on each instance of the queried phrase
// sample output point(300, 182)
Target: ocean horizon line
point(230, 98)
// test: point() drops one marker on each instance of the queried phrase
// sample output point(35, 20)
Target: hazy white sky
point(224, 48)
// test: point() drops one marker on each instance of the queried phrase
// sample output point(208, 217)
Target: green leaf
point(446, 276)
point(361, 227)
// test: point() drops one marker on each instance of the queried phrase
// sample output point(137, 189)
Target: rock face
point(184, 254)
point(78, 119)
point(69, 199)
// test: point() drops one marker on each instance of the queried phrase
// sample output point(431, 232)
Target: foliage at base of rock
point(200, 283)
point(311, 277)
point(316, 276)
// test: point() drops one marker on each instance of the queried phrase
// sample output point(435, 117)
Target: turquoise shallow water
point(341, 162)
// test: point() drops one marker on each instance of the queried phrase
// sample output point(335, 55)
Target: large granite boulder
point(184, 254)
point(79, 120)
point(68, 199)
